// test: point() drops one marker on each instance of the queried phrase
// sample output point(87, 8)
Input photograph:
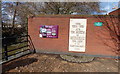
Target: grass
point(15, 46)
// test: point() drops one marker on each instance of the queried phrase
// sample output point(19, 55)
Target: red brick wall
point(94, 43)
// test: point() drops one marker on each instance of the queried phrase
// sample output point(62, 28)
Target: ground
point(53, 63)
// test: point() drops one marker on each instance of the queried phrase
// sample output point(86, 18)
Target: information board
point(77, 35)
point(48, 31)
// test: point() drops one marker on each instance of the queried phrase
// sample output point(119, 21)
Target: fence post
point(5, 48)
point(6, 53)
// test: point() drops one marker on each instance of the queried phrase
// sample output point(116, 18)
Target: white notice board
point(77, 35)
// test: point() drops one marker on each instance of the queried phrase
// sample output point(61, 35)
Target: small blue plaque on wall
point(98, 24)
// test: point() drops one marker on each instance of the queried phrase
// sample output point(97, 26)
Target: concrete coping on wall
point(82, 16)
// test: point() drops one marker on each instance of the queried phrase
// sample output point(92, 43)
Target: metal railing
point(16, 49)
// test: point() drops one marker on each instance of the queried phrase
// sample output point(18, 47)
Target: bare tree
point(70, 7)
point(18, 12)
point(14, 13)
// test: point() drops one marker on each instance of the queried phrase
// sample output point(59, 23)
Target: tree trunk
point(14, 15)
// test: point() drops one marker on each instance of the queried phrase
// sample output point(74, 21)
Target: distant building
point(116, 12)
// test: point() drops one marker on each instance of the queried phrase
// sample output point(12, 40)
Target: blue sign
point(98, 24)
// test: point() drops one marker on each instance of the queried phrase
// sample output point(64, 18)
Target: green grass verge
point(15, 46)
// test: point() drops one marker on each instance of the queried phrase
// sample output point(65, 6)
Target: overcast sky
point(108, 6)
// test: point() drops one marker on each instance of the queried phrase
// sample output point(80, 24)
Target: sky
point(108, 6)
point(109, 0)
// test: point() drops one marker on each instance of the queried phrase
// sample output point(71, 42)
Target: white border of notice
point(77, 41)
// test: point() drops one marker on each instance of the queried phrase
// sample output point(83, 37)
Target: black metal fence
point(14, 47)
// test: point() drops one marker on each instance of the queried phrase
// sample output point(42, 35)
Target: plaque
point(98, 24)
point(77, 35)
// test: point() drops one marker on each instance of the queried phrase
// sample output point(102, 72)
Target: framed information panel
point(48, 31)
point(77, 35)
